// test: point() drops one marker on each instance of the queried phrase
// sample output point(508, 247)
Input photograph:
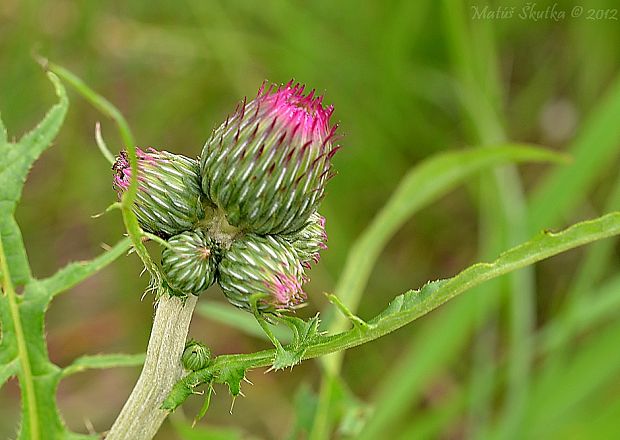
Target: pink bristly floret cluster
point(122, 168)
point(286, 290)
point(304, 114)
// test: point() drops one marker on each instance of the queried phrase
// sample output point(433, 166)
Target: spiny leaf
point(14, 166)
point(23, 321)
point(232, 376)
point(413, 304)
point(100, 361)
point(18, 158)
point(8, 370)
point(303, 331)
point(305, 334)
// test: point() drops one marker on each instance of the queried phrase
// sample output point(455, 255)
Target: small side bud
point(190, 263)
point(310, 241)
point(266, 266)
point(169, 197)
point(196, 355)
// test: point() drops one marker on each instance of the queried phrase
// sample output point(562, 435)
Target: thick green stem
point(141, 416)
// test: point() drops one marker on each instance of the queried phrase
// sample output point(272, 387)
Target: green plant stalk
point(26, 378)
point(141, 415)
point(406, 308)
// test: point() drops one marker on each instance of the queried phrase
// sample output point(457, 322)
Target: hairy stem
point(141, 416)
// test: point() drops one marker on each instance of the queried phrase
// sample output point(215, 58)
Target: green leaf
point(101, 361)
point(544, 245)
point(232, 376)
point(304, 335)
point(22, 321)
point(14, 166)
point(8, 370)
point(76, 272)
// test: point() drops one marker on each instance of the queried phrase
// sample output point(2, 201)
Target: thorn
point(105, 246)
point(241, 393)
point(245, 379)
point(232, 404)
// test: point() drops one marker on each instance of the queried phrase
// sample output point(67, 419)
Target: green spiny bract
point(309, 241)
point(189, 263)
point(267, 165)
point(265, 268)
point(196, 355)
point(169, 198)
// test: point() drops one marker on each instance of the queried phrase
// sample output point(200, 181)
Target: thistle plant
point(253, 225)
point(244, 215)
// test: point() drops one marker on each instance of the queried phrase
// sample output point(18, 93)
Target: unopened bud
point(266, 266)
point(267, 165)
point(196, 355)
point(190, 262)
point(310, 241)
point(168, 200)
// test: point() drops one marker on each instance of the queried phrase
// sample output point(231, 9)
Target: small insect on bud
point(267, 165)
point(309, 241)
point(266, 266)
point(190, 262)
point(196, 355)
point(169, 196)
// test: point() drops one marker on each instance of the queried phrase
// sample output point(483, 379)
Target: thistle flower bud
point(309, 241)
point(190, 263)
point(169, 196)
point(263, 265)
point(266, 167)
point(196, 355)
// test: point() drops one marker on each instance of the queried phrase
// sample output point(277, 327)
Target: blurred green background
point(531, 356)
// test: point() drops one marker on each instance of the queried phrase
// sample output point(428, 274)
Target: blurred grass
point(407, 81)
